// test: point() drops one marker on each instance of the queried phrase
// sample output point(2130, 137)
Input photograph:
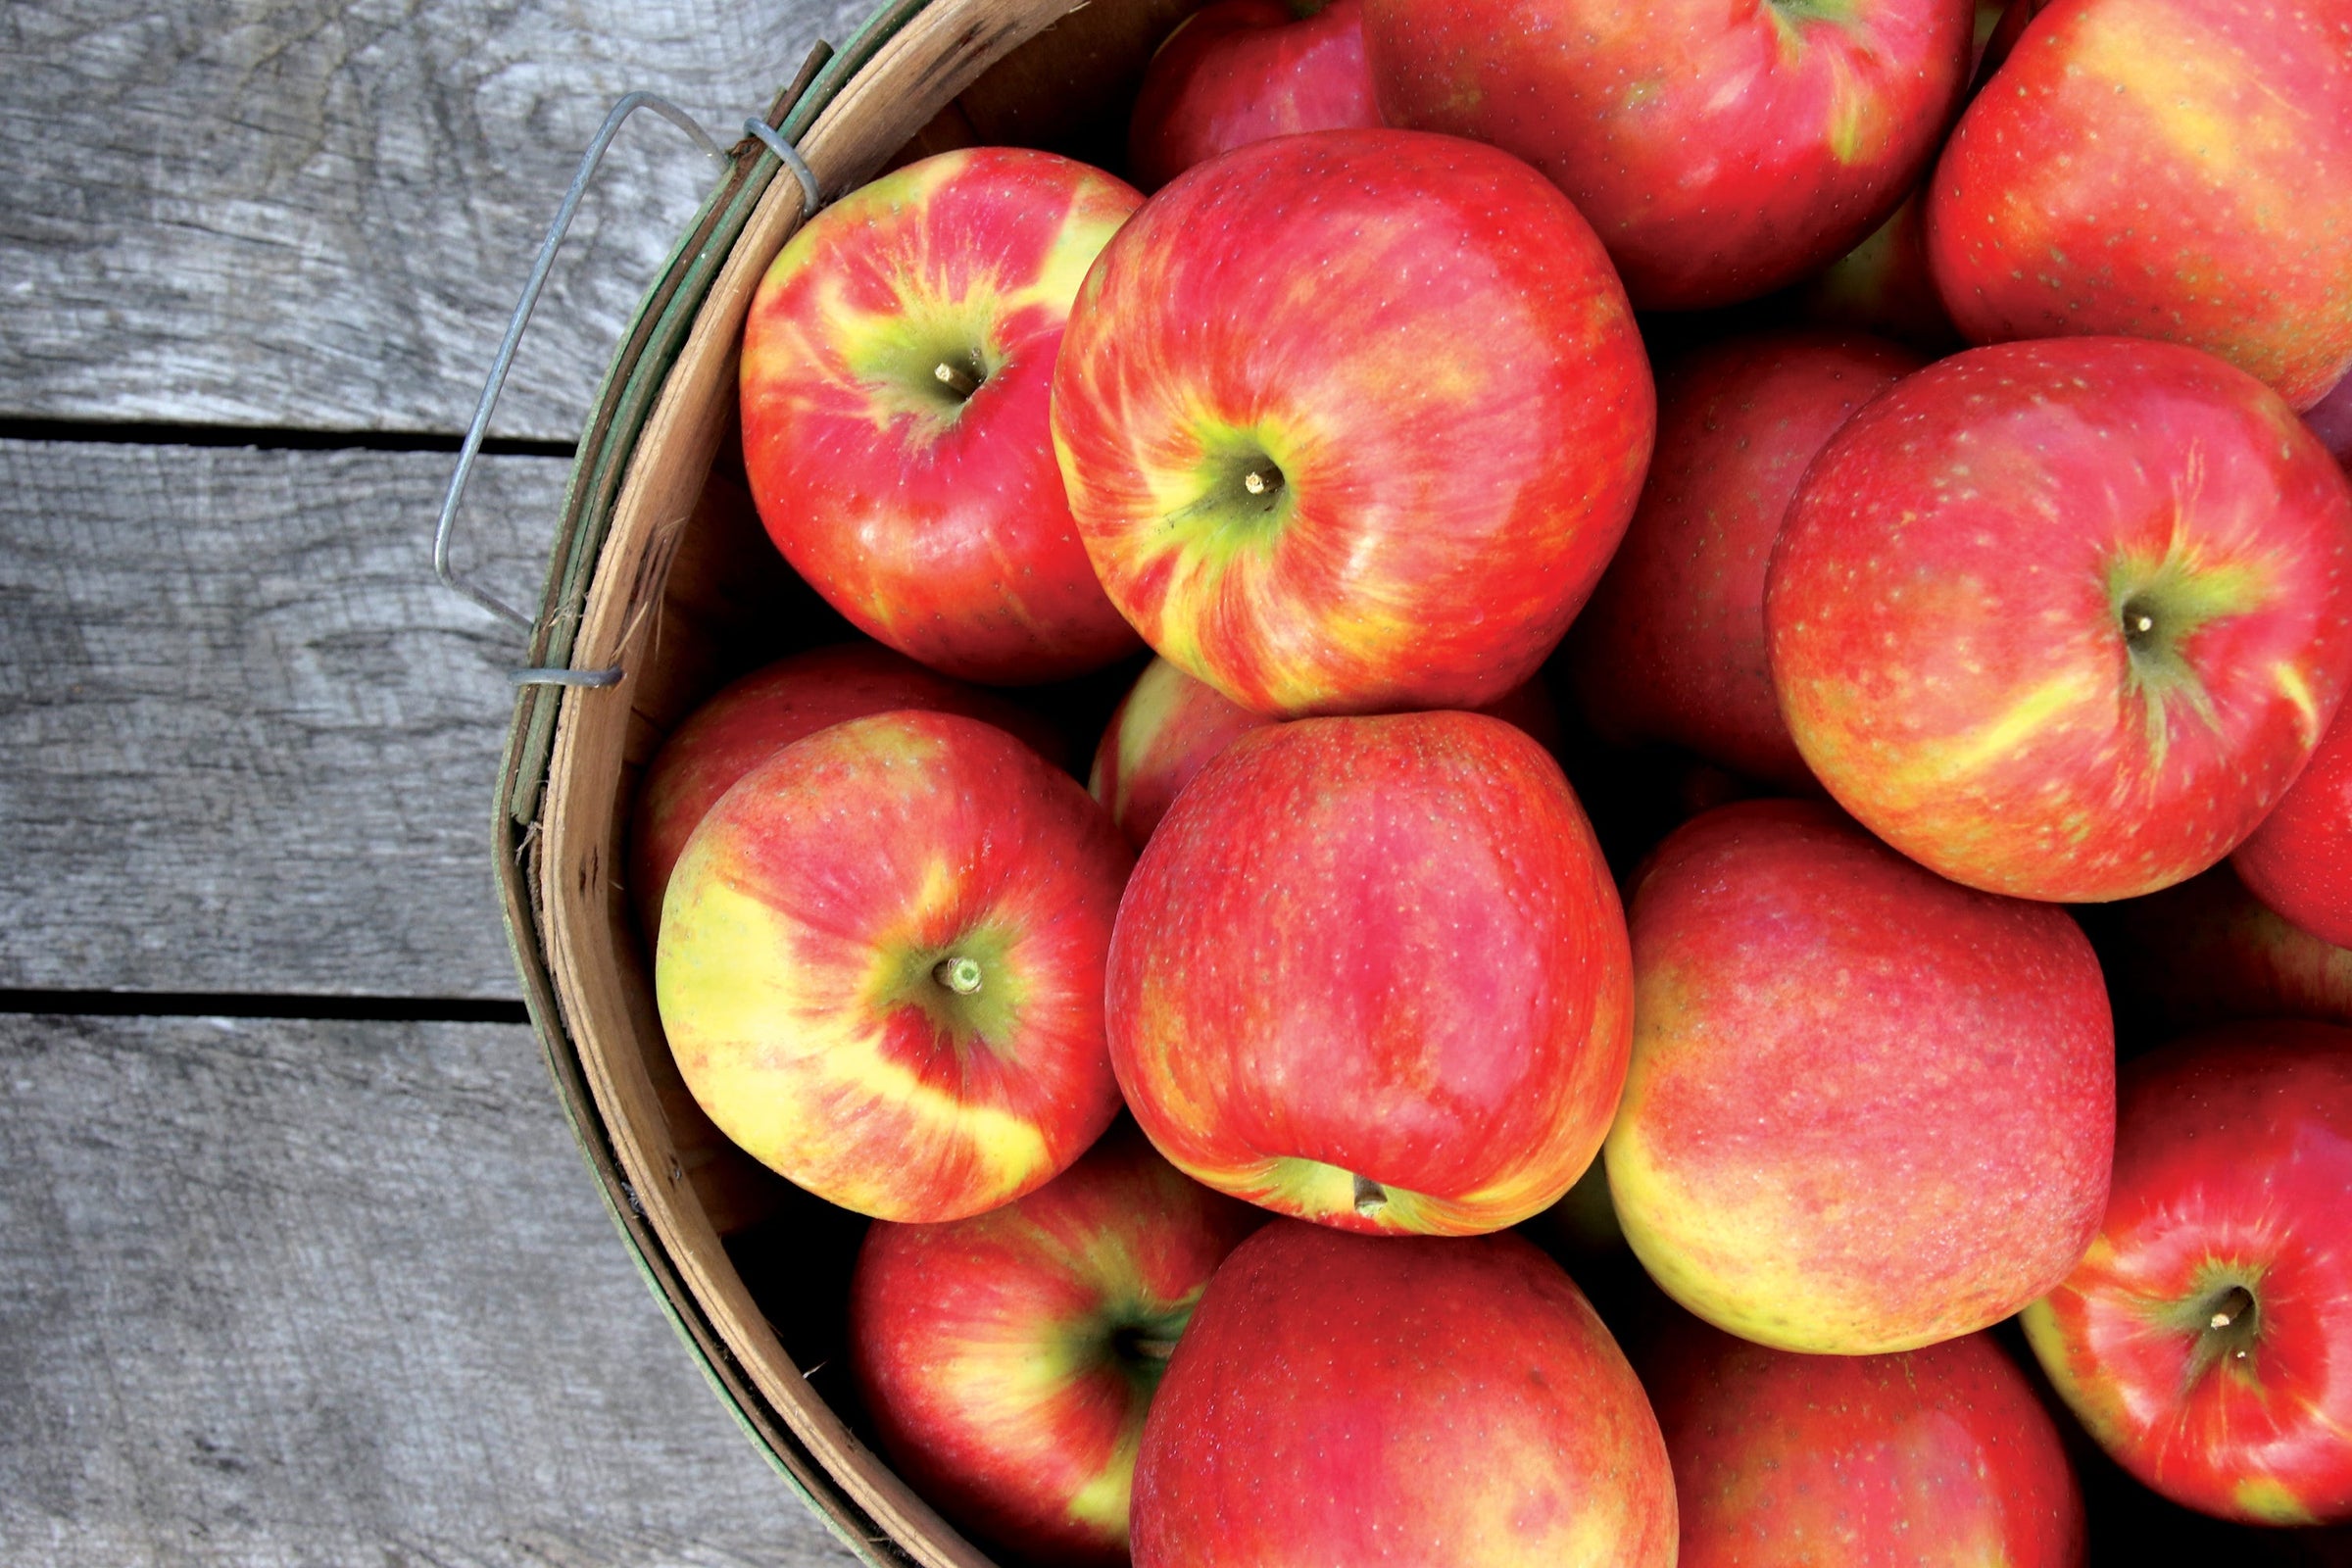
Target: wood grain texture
point(287, 1293)
point(247, 744)
point(318, 213)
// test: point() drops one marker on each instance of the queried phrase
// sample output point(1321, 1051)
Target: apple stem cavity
point(1370, 1197)
point(958, 974)
point(1262, 482)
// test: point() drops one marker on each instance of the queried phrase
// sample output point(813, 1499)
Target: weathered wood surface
point(287, 1293)
point(318, 213)
point(247, 744)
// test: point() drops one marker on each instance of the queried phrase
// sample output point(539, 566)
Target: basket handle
point(471, 446)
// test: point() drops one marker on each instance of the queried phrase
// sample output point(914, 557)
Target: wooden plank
point(316, 212)
point(288, 1292)
point(247, 744)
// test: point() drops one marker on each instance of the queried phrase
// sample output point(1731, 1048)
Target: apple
point(754, 716)
point(1412, 1400)
point(1352, 420)
point(1372, 972)
point(1720, 152)
point(2205, 1338)
point(2299, 861)
point(2064, 619)
point(880, 966)
point(1008, 1360)
point(1672, 646)
point(1939, 1454)
point(1867, 1109)
point(897, 365)
point(2208, 952)
point(1168, 726)
point(2169, 169)
point(1882, 285)
point(1241, 71)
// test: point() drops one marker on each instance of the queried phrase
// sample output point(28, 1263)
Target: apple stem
point(958, 974)
point(955, 380)
point(1370, 1197)
point(1262, 482)
point(2230, 1308)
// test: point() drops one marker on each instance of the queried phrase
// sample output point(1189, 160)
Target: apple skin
point(2208, 952)
point(1671, 647)
point(1419, 351)
point(1372, 972)
point(1882, 285)
point(2232, 1163)
point(934, 522)
point(2299, 861)
point(1940, 1454)
point(1169, 726)
point(753, 717)
point(1405, 1401)
point(1867, 1109)
point(1241, 71)
point(1008, 1358)
point(2204, 194)
point(2064, 619)
point(1720, 152)
point(812, 941)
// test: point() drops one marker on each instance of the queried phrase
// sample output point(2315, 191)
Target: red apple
point(880, 966)
point(1882, 285)
point(1939, 1454)
point(1169, 726)
point(1241, 71)
point(2299, 861)
point(2206, 1341)
point(1867, 1109)
point(2208, 952)
point(1352, 420)
point(1008, 1358)
point(1405, 1400)
point(1672, 646)
point(753, 717)
point(1721, 151)
point(1372, 972)
point(2169, 169)
point(896, 370)
point(2064, 619)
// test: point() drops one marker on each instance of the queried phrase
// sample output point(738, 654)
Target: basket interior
point(687, 594)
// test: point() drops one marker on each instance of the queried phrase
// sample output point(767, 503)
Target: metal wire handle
point(505, 361)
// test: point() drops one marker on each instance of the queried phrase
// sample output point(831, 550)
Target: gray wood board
point(317, 214)
point(292, 1293)
point(247, 744)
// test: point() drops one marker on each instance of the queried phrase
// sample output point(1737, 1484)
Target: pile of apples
point(1930, 658)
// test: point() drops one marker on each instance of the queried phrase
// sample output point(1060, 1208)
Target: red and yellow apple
point(897, 365)
point(2208, 952)
point(753, 717)
point(2064, 619)
point(1720, 151)
point(1241, 71)
point(1942, 1455)
point(2299, 861)
point(880, 966)
point(1672, 646)
point(2206, 1340)
point(1867, 1109)
point(1372, 972)
point(1169, 726)
point(1008, 1359)
point(1436, 1403)
point(1352, 420)
point(2168, 169)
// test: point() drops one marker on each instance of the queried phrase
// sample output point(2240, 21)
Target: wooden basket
point(661, 570)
